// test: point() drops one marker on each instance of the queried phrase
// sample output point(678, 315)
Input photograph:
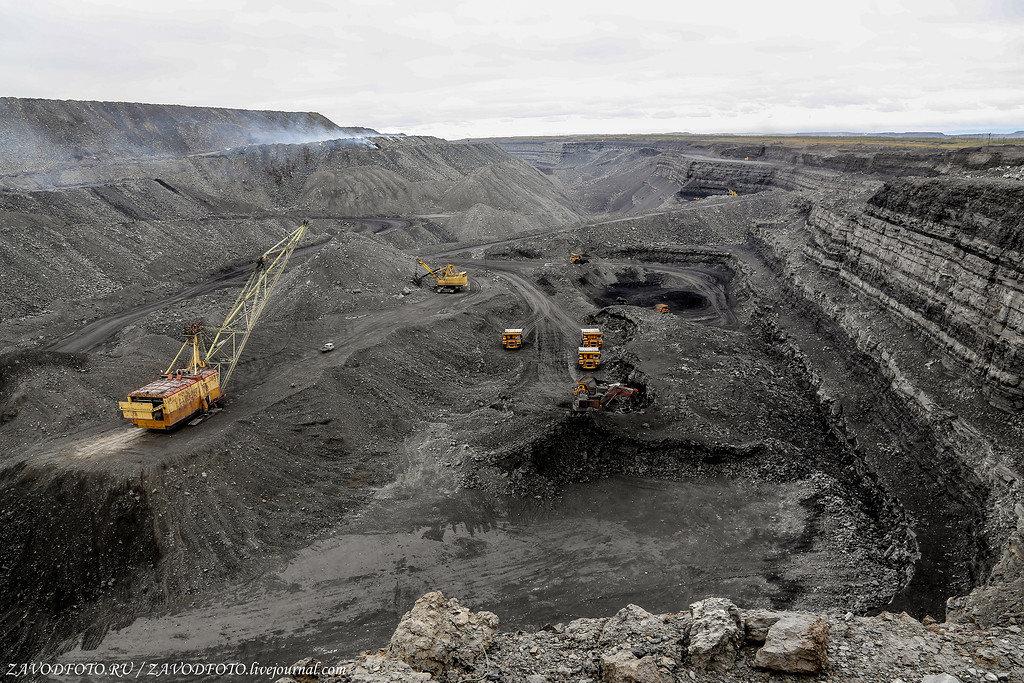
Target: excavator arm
point(427, 268)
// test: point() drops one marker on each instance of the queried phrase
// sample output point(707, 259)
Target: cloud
point(460, 68)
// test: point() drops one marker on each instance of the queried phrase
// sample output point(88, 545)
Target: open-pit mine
point(790, 443)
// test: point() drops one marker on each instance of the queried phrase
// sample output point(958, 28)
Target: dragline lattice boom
point(184, 391)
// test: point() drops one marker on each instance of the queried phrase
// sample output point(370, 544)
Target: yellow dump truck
point(512, 338)
point(589, 358)
point(592, 336)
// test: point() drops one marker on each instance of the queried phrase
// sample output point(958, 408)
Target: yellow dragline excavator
point(183, 392)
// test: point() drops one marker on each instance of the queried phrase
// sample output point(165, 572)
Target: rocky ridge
point(712, 640)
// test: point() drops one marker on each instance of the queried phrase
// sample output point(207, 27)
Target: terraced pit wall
point(905, 253)
point(949, 259)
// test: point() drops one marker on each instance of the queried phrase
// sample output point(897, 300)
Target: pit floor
point(594, 548)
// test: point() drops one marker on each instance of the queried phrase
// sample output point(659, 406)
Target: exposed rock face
point(941, 678)
point(796, 643)
point(716, 633)
point(844, 648)
point(441, 637)
point(948, 257)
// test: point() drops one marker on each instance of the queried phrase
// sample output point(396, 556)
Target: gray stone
point(441, 637)
point(758, 621)
point(635, 628)
point(624, 667)
point(940, 678)
point(715, 634)
point(796, 643)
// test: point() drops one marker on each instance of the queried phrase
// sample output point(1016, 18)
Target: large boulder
point(634, 628)
point(441, 637)
point(796, 643)
point(758, 621)
point(624, 667)
point(715, 634)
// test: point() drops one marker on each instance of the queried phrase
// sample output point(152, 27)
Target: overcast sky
point(477, 68)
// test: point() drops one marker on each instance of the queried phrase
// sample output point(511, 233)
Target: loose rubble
point(714, 640)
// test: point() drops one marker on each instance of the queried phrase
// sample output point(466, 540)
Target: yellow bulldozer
point(446, 279)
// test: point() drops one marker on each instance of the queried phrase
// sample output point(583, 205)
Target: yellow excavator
point(446, 279)
point(183, 392)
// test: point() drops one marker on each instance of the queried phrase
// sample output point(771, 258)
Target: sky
point(522, 67)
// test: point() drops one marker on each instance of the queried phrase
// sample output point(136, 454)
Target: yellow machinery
point(589, 357)
point(661, 308)
point(733, 193)
point(447, 279)
point(182, 392)
point(592, 336)
point(578, 257)
point(512, 338)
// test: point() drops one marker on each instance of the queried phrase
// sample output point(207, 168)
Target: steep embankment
point(876, 159)
point(924, 279)
point(38, 134)
point(946, 255)
point(813, 156)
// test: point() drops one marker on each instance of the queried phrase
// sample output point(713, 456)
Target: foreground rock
point(716, 633)
point(796, 643)
point(441, 637)
point(624, 667)
point(440, 640)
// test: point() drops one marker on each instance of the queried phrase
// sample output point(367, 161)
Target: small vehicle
point(592, 336)
point(327, 347)
point(589, 357)
point(512, 338)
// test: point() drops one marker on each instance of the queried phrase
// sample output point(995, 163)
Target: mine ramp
point(183, 392)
